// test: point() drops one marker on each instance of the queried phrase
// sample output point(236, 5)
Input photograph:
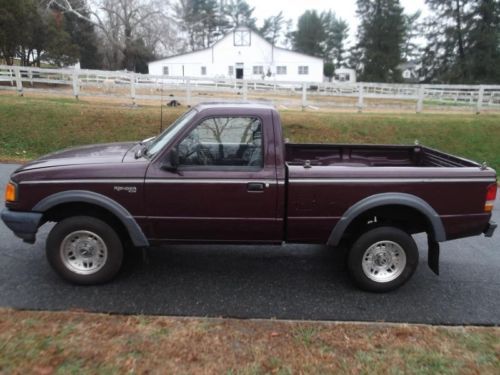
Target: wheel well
point(65, 210)
point(406, 218)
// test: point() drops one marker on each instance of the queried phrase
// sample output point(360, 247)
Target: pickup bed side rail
point(386, 199)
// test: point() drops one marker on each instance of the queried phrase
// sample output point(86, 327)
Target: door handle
point(255, 187)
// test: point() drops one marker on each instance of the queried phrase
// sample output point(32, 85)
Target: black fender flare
point(83, 196)
point(385, 199)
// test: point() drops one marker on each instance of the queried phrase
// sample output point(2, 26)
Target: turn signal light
point(491, 194)
point(10, 192)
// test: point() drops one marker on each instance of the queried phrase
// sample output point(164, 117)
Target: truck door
point(225, 186)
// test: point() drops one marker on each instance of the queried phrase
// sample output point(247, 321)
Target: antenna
point(161, 107)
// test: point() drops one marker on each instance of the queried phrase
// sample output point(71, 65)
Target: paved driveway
point(290, 282)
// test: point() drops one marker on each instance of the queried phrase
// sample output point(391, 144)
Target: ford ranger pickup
point(222, 173)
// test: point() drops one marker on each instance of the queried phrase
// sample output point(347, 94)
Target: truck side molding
point(76, 196)
point(386, 199)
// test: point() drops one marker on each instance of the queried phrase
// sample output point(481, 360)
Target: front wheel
point(383, 259)
point(84, 250)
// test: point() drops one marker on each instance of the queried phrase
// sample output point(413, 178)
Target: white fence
point(189, 91)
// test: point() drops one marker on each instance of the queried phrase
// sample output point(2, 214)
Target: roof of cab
point(233, 105)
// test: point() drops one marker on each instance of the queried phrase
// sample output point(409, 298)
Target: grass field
point(33, 126)
point(84, 343)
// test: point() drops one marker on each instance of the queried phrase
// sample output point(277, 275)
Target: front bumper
point(490, 229)
point(23, 224)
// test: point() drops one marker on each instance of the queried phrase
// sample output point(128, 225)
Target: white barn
point(242, 54)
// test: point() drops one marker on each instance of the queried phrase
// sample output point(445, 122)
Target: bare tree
point(130, 28)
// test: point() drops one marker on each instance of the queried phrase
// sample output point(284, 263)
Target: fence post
point(76, 86)
point(19, 81)
point(480, 97)
point(11, 74)
point(132, 87)
point(30, 76)
point(245, 90)
point(304, 95)
point(420, 101)
point(360, 97)
point(188, 92)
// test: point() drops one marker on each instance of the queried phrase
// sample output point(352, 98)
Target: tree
point(239, 13)
point(201, 20)
point(329, 70)
point(310, 34)
point(83, 34)
point(287, 40)
point(13, 25)
point(52, 42)
point(413, 28)
point(483, 41)
point(122, 23)
point(381, 36)
point(336, 32)
point(31, 33)
point(445, 53)
point(272, 28)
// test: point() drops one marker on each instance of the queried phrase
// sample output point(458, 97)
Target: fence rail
point(190, 90)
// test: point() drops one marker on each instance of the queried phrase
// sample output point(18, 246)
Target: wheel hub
point(382, 258)
point(384, 261)
point(83, 252)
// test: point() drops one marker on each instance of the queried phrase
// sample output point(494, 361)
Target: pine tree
point(310, 34)
point(336, 32)
point(445, 56)
point(239, 13)
point(411, 49)
point(483, 41)
point(272, 28)
point(381, 37)
point(200, 20)
point(13, 25)
point(32, 33)
point(83, 34)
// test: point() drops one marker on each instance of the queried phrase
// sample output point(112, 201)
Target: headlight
point(11, 192)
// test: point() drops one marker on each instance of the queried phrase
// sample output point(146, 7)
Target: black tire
point(403, 270)
point(93, 234)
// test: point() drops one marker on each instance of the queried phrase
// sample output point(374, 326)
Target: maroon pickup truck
point(223, 174)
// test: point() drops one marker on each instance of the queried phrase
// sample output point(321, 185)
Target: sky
point(345, 9)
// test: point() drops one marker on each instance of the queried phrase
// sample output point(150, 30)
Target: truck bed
point(371, 156)
point(325, 180)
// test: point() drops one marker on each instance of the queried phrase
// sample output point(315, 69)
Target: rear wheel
point(84, 250)
point(383, 259)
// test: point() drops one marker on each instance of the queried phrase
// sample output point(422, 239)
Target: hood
point(91, 154)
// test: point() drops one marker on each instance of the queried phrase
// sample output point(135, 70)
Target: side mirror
point(171, 162)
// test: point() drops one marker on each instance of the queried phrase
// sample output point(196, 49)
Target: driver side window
point(224, 142)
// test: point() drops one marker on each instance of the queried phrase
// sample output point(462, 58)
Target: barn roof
point(225, 36)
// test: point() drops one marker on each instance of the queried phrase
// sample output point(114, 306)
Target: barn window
point(258, 69)
point(303, 70)
point(241, 38)
point(230, 70)
point(281, 70)
point(203, 70)
point(165, 70)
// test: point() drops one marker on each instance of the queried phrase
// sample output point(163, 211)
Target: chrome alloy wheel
point(384, 261)
point(83, 252)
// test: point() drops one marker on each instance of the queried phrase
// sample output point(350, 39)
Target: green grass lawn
point(83, 343)
point(33, 126)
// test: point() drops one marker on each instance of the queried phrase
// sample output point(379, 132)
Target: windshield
point(160, 141)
